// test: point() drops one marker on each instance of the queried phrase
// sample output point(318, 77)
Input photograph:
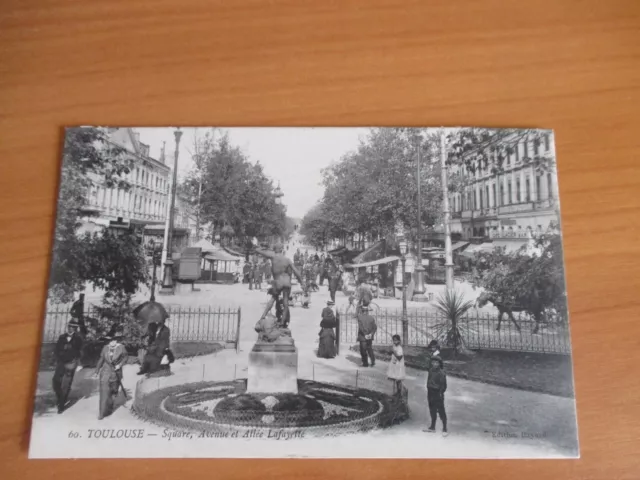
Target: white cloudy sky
point(293, 156)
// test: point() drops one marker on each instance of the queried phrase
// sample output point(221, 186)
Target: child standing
point(436, 386)
point(396, 371)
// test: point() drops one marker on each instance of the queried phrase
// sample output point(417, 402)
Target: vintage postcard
point(306, 293)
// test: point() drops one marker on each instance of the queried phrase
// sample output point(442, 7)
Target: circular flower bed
point(317, 407)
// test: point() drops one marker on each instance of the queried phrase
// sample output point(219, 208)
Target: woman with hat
point(109, 371)
point(327, 347)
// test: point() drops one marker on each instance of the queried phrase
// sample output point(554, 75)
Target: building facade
point(512, 202)
point(146, 203)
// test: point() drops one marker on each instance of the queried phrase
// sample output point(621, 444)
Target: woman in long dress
point(396, 371)
point(327, 347)
point(109, 372)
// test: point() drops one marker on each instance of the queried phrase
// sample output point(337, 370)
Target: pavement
point(484, 420)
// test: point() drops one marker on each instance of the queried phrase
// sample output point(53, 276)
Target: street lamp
point(405, 320)
point(155, 258)
point(278, 194)
point(167, 280)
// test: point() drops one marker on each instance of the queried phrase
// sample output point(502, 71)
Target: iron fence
point(479, 331)
point(187, 324)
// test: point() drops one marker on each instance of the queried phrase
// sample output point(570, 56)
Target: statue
point(269, 331)
point(281, 270)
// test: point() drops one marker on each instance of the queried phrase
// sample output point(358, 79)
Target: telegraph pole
point(167, 281)
point(448, 252)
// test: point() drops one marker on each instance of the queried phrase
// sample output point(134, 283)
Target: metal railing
point(187, 324)
point(479, 331)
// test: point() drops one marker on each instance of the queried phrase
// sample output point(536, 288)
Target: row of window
point(482, 198)
point(520, 151)
point(151, 180)
point(116, 198)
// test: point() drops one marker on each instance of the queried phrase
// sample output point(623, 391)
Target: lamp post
point(167, 280)
point(405, 320)
point(278, 194)
point(448, 265)
point(155, 260)
point(418, 293)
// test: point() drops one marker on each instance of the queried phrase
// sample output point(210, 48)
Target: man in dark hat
point(67, 353)
point(366, 331)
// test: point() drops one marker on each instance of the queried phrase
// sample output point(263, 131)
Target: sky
point(292, 156)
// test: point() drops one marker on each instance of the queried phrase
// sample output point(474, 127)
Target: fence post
point(238, 330)
point(338, 317)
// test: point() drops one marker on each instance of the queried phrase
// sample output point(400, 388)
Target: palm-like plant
point(453, 306)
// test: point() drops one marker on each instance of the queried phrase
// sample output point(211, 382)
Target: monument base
point(273, 369)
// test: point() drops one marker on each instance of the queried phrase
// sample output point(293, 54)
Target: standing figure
point(330, 318)
point(281, 270)
point(157, 349)
point(246, 268)
point(77, 314)
point(364, 295)
point(335, 277)
point(396, 371)
point(436, 386)
point(67, 353)
point(366, 331)
point(251, 275)
point(109, 371)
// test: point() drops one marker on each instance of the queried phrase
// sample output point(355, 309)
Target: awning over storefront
point(373, 263)
point(232, 252)
point(471, 250)
point(205, 245)
point(459, 245)
point(509, 246)
point(338, 251)
point(369, 254)
point(220, 256)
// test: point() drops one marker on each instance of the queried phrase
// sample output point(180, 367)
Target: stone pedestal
point(273, 369)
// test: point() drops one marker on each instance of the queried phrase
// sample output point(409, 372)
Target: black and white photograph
point(394, 292)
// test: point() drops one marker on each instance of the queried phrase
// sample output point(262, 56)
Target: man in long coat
point(367, 329)
point(67, 353)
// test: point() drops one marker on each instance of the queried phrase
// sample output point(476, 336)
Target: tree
point(236, 192)
point(116, 263)
point(88, 159)
point(373, 190)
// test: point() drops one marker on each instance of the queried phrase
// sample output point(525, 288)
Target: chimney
point(162, 156)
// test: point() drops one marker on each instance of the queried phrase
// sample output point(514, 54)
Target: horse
point(534, 307)
point(503, 307)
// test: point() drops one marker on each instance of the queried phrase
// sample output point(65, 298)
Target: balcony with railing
point(510, 234)
point(529, 206)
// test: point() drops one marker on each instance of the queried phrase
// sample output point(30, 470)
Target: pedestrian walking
point(330, 318)
point(396, 371)
point(109, 372)
point(67, 353)
point(366, 331)
point(436, 386)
